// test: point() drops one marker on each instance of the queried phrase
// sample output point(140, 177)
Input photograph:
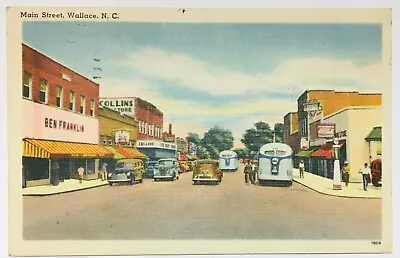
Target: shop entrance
point(65, 169)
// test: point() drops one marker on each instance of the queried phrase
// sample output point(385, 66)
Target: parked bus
point(228, 160)
point(275, 164)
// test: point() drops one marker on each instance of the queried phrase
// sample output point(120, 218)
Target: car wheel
point(141, 180)
point(110, 183)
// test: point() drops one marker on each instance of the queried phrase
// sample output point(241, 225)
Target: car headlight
point(109, 175)
point(274, 161)
point(128, 174)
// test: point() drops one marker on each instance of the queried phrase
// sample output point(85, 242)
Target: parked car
point(166, 169)
point(149, 171)
point(127, 170)
point(376, 172)
point(207, 170)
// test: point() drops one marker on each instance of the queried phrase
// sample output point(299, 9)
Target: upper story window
point(27, 85)
point(83, 105)
point(59, 96)
point(43, 91)
point(72, 100)
point(92, 107)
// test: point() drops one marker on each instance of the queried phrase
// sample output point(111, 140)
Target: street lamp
point(337, 182)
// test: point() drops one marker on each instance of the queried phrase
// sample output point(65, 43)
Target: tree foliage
point(261, 133)
point(215, 140)
point(242, 152)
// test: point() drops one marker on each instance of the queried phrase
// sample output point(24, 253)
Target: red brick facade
point(150, 120)
point(40, 67)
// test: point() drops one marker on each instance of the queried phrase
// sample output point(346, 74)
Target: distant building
point(169, 136)
point(182, 145)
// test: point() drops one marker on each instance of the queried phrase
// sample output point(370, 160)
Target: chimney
point(170, 129)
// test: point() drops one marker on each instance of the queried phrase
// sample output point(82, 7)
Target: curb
point(341, 196)
point(66, 191)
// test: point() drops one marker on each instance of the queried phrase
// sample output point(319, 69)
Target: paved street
point(180, 210)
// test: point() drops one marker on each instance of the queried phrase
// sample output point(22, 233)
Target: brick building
point(60, 132)
point(291, 131)
point(48, 82)
point(150, 120)
point(169, 136)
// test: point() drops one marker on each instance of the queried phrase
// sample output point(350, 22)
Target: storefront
point(50, 162)
point(352, 130)
point(56, 143)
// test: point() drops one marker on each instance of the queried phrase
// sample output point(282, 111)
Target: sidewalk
point(325, 185)
point(70, 185)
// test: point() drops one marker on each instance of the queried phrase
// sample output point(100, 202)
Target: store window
point(59, 96)
point(27, 85)
point(90, 166)
point(35, 168)
point(92, 107)
point(75, 164)
point(72, 100)
point(83, 104)
point(43, 91)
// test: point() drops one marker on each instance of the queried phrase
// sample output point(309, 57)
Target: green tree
point(278, 128)
point(217, 139)
point(257, 136)
point(194, 138)
point(202, 152)
point(241, 152)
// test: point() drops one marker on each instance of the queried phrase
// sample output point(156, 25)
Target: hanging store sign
point(122, 137)
point(304, 143)
point(325, 130)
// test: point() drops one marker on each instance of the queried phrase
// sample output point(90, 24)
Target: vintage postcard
point(199, 131)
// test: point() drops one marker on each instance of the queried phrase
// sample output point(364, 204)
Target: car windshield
point(166, 163)
point(152, 164)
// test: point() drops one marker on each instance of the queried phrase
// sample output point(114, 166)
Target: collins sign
point(122, 105)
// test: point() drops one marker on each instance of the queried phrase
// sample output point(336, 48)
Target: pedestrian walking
point(346, 173)
point(247, 169)
point(104, 172)
point(301, 168)
point(81, 170)
point(253, 172)
point(365, 171)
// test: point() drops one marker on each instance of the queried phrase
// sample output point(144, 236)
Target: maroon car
point(376, 172)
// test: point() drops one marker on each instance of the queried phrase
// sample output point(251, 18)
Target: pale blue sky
point(196, 73)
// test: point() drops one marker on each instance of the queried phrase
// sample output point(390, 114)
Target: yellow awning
point(57, 149)
point(134, 153)
point(32, 151)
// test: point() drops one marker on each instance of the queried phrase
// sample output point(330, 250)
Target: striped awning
point(117, 155)
point(133, 152)
point(32, 151)
point(56, 149)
